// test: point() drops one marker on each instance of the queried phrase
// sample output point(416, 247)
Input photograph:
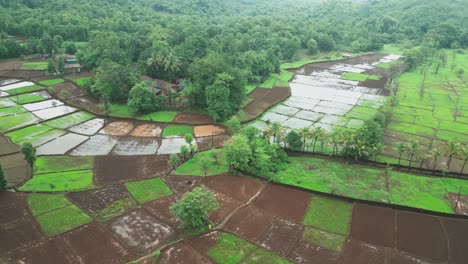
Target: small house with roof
point(160, 87)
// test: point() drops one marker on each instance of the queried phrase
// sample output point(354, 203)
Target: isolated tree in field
point(452, 149)
point(50, 66)
point(413, 149)
point(60, 66)
point(185, 151)
point(188, 138)
point(401, 149)
point(464, 155)
point(174, 160)
point(3, 182)
point(234, 124)
point(274, 129)
point(194, 208)
point(141, 99)
point(29, 153)
point(293, 140)
point(205, 165)
point(436, 154)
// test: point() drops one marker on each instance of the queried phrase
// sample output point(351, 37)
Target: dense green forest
point(217, 45)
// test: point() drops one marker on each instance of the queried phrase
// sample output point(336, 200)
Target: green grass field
point(43, 203)
point(82, 81)
point(60, 181)
point(161, 116)
point(361, 182)
point(147, 190)
point(14, 121)
point(359, 77)
point(12, 110)
point(177, 130)
point(329, 215)
point(117, 208)
point(324, 239)
point(230, 249)
point(40, 65)
point(27, 132)
point(27, 98)
point(49, 164)
point(119, 110)
point(63, 219)
point(52, 82)
point(362, 113)
point(27, 89)
point(70, 120)
point(193, 166)
point(261, 255)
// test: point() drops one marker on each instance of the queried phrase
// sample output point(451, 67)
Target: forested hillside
point(218, 45)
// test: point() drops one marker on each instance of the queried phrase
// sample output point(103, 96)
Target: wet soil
point(193, 119)
point(373, 225)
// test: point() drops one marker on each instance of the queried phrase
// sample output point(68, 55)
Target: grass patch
point(261, 255)
point(359, 77)
point(161, 116)
point(12, 110)
point(36, 65)
point(115, 209)
point(70, 120)
point(193, 166)
point(27, 132)
point(48, 164)
point(250, 87)
point(14, 121)
point(148, 190)
point(230, 249)
point(329, 214)
point(27, 89)
point(177, 130)
point(63, 219)
point(82, 81)
point(362, 113)
point(52, 82)
point(119, 110)
point(27, 98)
point(60, 181)
point(324, 239)
point(43, 203)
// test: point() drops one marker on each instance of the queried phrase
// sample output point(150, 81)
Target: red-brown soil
point(281, 237)
point(359, 253)
point(92, 201)
point(209, 130)
point(117, 128)
point(374, 225)
point(421, 235)
point(207, 143)
point(181, 184)
point(87, 103)
point(227, 204)
point(6, 147)
point(160, 209)
point(183, 253)
point(82, 244)
point(285, 202)
point(15, 168)
point(305, 252)
point(256, 107)
point(204, 242)
point(50, 251)
point(250, 222)
point(18, 235)
point(67, 90)
point(193, 119)
point(457, 234)
point(147, 130)
point(13, 207)
point(238, 187)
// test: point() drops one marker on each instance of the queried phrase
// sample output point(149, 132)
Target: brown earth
point(183, 253)
point(457, 234)
point(88, 103)
point(6, 147)
point(285, 202)
point(238, 187)
point(227, 204)
point(110, 250)
point(18, 235)
point(204, 242)
point(421, 235)
point(50, 251)
point(23, 74)
point(67, 90)
point(305, 252)
point(209, 130)
point(250, 222)
point(15, 168)
point(359, 253)
point(160, 209)
point(258, 93)
point(256, 107)
point(10, 65)
point(281, 237)
point(181, 184)
point(374, 225)
point(207, 143)
point(117, 128)
point(147, 130)
point(92, 201)
point(462, 206)
point(193, 119)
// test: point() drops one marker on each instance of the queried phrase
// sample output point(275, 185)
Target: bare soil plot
point(374, 225)
point(205, 242)
point(193, 119)
point(13, 207)
point(284, 202)
point(238, 187)
point(67, 90)
point(147, 130)
point(181, 184)
point(103, 249)
point(88, 103)
point(15, 168)
point(421, 235)
point(360, 253)
point(183, 253)
point(209, 130)
point(140, 231)
point(305, 252)
point(6, 147)
point(18, 235)
point(281, 237)
point(160, 209)
point(117, 128)
point(207, 143)
point(457, 234)
point(258, 106)
point(250, 222)
point(227, 204)
point(258, 93)
point(49, 251)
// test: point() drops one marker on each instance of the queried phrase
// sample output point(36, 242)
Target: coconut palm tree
point(413, 149)
point(316, 133)
point(360, 147)
point(376, 150)
point(423, 156)
point(274, 129)
point(334, 140)
point(304, 133)
point(436, 154)
point(452, 149)
point(401, 149)
point(464, 154)
point(346, 137)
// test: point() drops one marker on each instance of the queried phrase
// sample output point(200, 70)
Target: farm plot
point(431, 109)
point(96, 146)
point(61, 145)
point(31, 97)
point(88, 128)
point(136, 146)
point(330, 96)
point(70, 120)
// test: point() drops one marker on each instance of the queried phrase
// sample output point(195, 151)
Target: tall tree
point(401, 149)
point(436, 154)
point(3, 182)
point(413, 150)
point(29, 154)
point(452, 149)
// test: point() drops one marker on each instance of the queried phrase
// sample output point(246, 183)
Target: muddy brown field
point(193, 119)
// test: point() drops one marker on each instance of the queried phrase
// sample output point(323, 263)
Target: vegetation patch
point(12, 110)
point(52, 82)
point(324, 239)
point(362, 113)
point(36, 65)
point(27, 132)
point(60, 181)
point(148, 190)
point(27, 89)
point(70, 120)
point(214, 161)
point(230, 249)
point(359, 77)
point(63, 219)
point(9, 122)
point(82, 81)
point(161, 116)
point(48, 164)
point(329, 214)
point(27, 98)
point(43, 203)
point(177, 130)
point(115, 209)
point(261, 255)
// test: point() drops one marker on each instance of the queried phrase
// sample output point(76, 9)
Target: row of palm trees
point(347, 143)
